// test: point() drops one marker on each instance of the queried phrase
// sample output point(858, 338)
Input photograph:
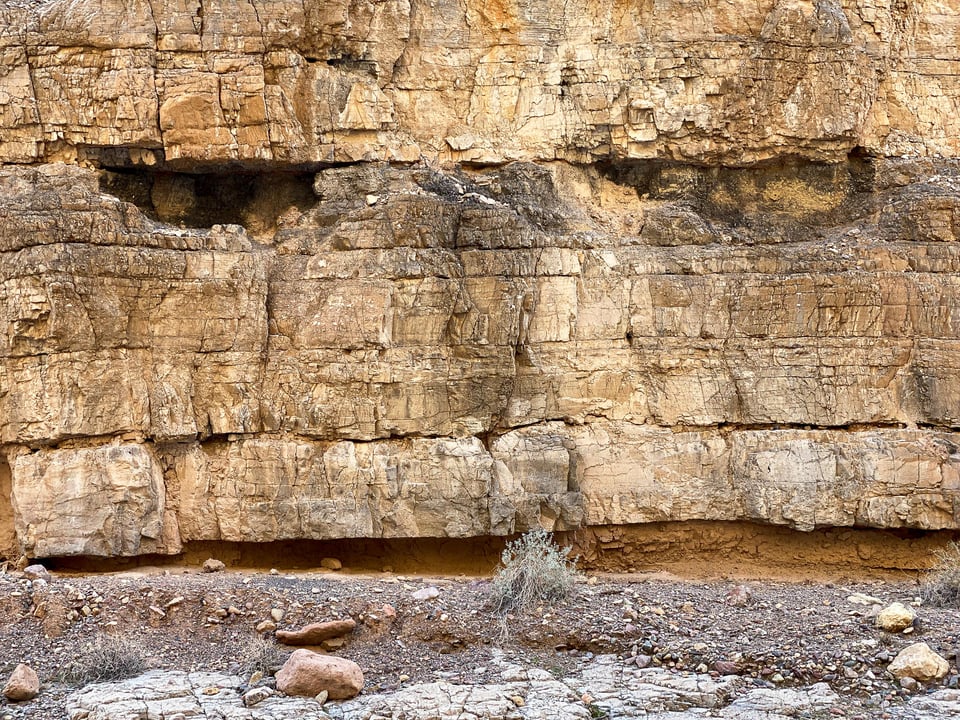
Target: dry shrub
point(109, 657)
point(533, 570)
point(260, 654)
point(940, 586)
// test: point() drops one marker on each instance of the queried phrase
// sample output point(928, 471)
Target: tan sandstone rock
point(740, 82)
point(108, 500)
point(919, 662)
point(212, 565)
point(895, 617)
point(23, 684)
point(307, 674)
point(281, 272)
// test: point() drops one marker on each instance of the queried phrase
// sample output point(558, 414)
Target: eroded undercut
point(258, 201)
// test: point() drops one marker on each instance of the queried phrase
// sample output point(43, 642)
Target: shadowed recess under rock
point(694, 549)
point(258, 201)
point(776, 197)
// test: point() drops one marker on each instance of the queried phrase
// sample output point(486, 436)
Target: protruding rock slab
point(316, 633)
point(307, 673)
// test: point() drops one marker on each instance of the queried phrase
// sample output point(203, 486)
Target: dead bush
point(260, 654)
point(533, 570)
point(109, 657)
point(940, 586)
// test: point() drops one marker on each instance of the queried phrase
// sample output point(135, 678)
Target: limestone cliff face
point(276, 270)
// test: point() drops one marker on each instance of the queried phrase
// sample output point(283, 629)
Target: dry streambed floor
point(767, 634)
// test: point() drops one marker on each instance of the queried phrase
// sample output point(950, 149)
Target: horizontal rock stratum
point(310, 270)
point(305, 81)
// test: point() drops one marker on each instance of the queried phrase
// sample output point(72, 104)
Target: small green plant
point(940, 586)
point(109, 657)
point(533, 570)
point(597, 712)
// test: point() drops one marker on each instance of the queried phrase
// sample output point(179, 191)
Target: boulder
point(739, 596)
point(919, 662)
point(316, 633)
point(212, 565)
point(307, 673)
point(427, 593)
point(36, 572)
point(23, 684)
point(895, 617)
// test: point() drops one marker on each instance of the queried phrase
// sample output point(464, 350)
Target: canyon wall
point(341, 268)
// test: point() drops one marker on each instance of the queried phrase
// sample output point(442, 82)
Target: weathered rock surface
point(164, 694)
point(107, 500)
point(23, 684)
point(302, 82)
point(661, 694)
point(316, 633)
point(321, 270)
point(936, 705)
point(896, 617)
point(307, 673)
point(919, 662)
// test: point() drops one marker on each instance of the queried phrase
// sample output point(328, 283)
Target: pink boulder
point(22, 685)
point(308, 674)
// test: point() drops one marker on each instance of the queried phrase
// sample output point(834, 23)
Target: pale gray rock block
point(159, 693)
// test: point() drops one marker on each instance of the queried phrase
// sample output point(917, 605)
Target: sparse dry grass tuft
point(940, 586)
point(109, 657)
point(533, 570)
point(261, 654)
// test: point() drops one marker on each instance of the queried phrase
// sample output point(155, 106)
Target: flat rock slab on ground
point(653, 694)
point(164, 694)
point(610, 690)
